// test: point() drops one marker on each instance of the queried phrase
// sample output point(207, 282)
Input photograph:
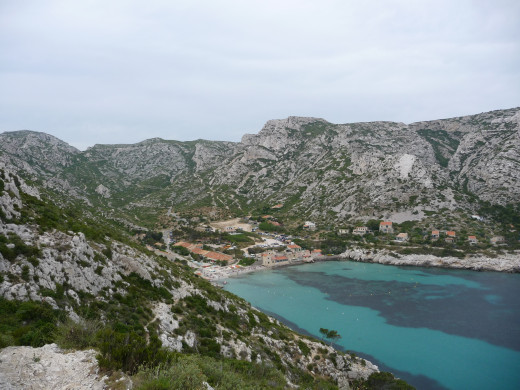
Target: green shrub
point(82, 335)
point(28, 323)
point(127, 351)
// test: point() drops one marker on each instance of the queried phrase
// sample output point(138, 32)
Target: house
point(360, 230)
point(450, 236)
point(497, 240)
point(280, 259)
point(343, 231)
point(472, 240)
point(316, 253)
point(309, 225)
point(268, 258)
point(386, 227)
point(294, 248)
point(435, 235)
point(271, 258)
point(230, 229)
point(402, 237)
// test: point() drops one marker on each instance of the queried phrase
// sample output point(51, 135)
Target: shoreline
point(508, 263)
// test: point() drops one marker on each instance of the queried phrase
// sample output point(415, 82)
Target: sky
point(122, 71)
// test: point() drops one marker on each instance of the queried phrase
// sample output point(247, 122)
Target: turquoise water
point(437, 329)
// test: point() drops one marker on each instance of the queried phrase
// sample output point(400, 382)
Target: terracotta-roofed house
point(435, 234)
point(217, 256)
point(294, 248)
point(450, 236)
point(386, 227)
point(183, 243)
point(472, 240)
point(280, 259)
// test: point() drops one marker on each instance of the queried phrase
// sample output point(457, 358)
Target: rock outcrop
point(509, 262)
point(49, 367)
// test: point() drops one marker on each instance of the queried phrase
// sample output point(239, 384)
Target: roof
point(435, 232)
point(402, 235)
point(472, 238)
point(183, 243)
point(277, 206)
point(219, 256)
point(294, 246)
point(199, 251)
point(316, 251)
point(280, 257)
point(450, 233)
point(385, 224)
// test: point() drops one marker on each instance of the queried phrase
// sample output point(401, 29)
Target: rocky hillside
point(71, 274)
point(317, 169)
point(79, 280)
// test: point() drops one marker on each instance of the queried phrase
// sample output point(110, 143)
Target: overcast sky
point(123, 71)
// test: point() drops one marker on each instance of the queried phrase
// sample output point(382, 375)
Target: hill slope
point(319, 170)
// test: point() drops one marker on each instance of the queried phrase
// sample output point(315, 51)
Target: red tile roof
point(385, 224)
point(450, 233)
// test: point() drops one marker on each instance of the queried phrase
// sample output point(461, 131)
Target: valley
point(123, 249)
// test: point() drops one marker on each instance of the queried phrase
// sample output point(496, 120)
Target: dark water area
point(435, 328)
point(490, 312)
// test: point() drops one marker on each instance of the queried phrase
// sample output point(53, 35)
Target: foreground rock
point(49, 367)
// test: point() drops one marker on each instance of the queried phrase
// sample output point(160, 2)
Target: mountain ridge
point(366, 169)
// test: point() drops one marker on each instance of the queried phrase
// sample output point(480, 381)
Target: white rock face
point(49, 367)
point(103, 191)
point(405, 164)
point(503, 263)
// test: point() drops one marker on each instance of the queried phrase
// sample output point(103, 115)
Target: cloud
point(122, 71)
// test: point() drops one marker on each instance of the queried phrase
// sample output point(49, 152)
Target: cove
point(435, 328)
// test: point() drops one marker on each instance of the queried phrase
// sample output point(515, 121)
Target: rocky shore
point(502, 263)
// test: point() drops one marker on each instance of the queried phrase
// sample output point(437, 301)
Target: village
point(217, 250)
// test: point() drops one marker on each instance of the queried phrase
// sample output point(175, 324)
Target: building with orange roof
point(435, 234)
point(472, 240)
point(450, 236)
point(386, 227)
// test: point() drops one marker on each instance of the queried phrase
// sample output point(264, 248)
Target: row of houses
point(387, 228)
point(293, 253)
point(209, 255)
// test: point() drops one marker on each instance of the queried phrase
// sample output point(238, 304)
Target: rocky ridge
point(319, 170)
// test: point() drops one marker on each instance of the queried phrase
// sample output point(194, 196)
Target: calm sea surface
point(435, 328)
